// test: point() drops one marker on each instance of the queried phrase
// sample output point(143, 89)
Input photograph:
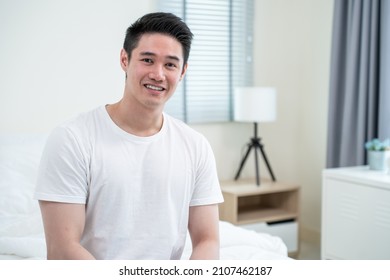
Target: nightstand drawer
point(287, 231)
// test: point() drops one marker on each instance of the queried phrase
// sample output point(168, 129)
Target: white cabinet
point(355, 214)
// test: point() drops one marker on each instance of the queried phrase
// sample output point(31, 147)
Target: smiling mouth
point(156, 88)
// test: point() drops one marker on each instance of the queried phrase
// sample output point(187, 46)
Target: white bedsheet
point(21, 229)
point(240, 244)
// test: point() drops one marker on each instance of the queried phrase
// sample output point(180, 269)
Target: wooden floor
point(309, 250)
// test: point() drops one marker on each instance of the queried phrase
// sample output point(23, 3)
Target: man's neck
point(134, 120)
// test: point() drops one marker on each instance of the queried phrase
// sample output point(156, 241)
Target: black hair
point(164, 23)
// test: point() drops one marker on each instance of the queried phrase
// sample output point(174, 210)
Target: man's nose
point(157, 73)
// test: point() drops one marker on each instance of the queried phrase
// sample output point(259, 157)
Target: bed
point(21, 229)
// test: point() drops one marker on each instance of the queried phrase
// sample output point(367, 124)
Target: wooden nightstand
point(272, 207)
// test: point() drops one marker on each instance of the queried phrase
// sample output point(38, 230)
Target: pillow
point(19, 160)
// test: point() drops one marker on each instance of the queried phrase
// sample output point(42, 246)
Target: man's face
point(154, 70)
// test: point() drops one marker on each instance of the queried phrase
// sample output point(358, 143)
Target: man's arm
point(64, 225)
point(203, 227)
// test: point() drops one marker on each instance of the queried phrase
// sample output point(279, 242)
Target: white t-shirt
point(137, 190)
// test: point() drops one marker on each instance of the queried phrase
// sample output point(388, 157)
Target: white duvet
point(21, 229)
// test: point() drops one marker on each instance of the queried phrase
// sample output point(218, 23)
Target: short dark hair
point(164, 23)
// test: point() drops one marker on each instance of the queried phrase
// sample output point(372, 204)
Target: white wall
point(292, 43)
point(59, 58)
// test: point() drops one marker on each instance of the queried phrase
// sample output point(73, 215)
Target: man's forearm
point(69, 252)
point(205, 250)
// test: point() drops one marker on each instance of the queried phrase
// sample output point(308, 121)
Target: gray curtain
point(384, 84)
point(358, 90)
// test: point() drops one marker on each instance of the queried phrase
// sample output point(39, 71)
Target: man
point(126, 181)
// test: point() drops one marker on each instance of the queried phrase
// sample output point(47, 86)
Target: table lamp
point(255, 104)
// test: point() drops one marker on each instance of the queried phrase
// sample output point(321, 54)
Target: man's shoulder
point(79, 127)
point(182, 127)
point(83, 121)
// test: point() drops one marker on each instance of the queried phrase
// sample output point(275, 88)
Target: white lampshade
point(255, 104)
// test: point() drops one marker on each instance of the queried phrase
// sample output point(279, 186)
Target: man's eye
point(171, 65)
point(147, 60)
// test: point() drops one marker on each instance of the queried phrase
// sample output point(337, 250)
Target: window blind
point(220, 58)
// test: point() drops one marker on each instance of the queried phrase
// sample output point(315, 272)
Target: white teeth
point(154, 87)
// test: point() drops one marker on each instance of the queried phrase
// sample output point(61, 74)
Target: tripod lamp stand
point(255, 104)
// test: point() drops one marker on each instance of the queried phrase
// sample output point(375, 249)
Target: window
point(220, 58)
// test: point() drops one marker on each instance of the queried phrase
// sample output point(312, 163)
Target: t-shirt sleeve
point(63, 170)
point(207, 189)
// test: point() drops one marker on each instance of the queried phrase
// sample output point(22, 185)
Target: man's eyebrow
point(173, 57)
point(148, 53)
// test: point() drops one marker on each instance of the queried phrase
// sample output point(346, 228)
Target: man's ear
point(124, 59)
point(184, 71)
